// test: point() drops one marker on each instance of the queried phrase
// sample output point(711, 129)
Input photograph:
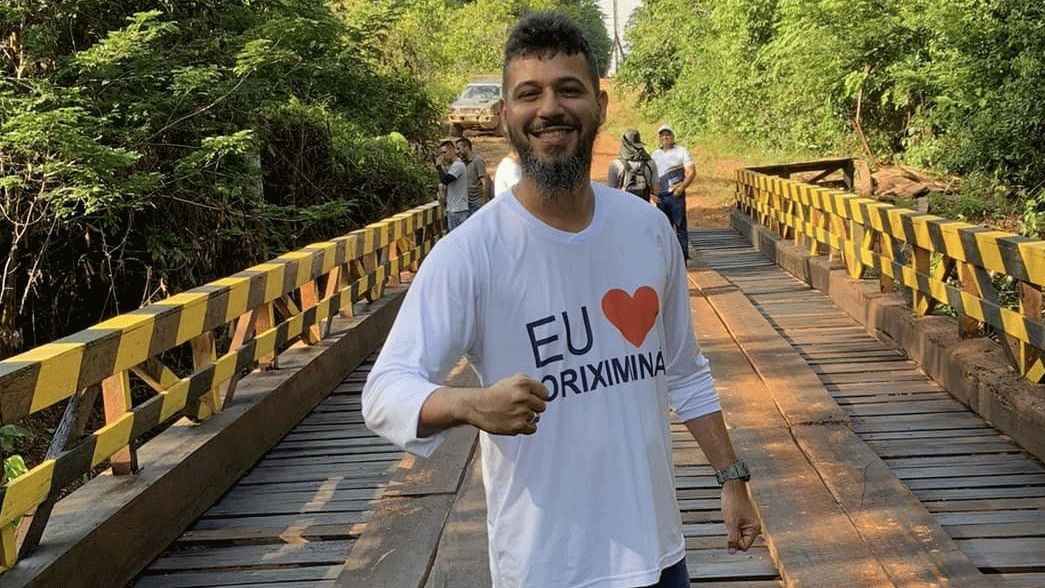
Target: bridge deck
point(864, 469)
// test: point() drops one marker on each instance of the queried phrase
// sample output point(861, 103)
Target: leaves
point(952, 84)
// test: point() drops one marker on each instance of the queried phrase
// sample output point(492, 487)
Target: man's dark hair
point(465, 141)
point(545, 34)
point(447, 143)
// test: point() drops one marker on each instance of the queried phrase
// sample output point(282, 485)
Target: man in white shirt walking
point(455, 179)
point(571, 301)
point(676, 173)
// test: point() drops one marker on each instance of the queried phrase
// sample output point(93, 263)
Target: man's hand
point(509, 407)
point(742, 522)
point(679, 191)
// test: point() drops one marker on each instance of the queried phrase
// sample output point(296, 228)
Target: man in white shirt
point(507, 174)
point(571, 301)
point(676, 173)
point(456, 182)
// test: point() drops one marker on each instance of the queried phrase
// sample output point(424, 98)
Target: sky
point(624, 9)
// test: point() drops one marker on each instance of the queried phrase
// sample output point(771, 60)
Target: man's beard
point(559, 176)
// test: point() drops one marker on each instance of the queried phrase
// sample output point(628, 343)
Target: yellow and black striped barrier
point(102, 358)
point(942, 261)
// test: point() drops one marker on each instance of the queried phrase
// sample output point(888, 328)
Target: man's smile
point(553, 134)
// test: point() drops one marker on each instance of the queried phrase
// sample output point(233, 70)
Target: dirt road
point(706, 199)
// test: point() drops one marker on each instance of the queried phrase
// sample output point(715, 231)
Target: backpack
point(633, 179)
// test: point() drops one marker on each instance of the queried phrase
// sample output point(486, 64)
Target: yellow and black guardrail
point(252, 316)
point(941, 261)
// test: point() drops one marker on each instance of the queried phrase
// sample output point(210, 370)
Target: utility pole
point(616, 49)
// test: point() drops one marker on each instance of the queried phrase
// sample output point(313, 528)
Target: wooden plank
point(297, 554)
point(811, 540)
point(286, 522)
point(1030, 580)
point(908, 541)
point(794, 387)
point(981, 493)
point(398, 543)
point(998, 531)
point(1006, 555)
point(319, 530)
point(706, 564)
point(462, 559)
point(277, 577)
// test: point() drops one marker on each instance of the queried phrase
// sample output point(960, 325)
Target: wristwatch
point(735, 471)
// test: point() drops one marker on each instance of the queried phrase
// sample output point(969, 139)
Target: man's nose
point(550, 104)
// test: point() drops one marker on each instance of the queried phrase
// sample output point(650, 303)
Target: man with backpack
point(634, 170)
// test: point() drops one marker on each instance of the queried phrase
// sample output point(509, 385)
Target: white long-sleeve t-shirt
point(602, 318)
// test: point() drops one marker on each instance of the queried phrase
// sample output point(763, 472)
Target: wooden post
point(69, 430)
point(1030, 307)
point(885, 255)
point(264, 319)
point(817, 221)
point(921, 261)
point(116, 396)
point(203, 355)
point(969, 327)
point(309, 300)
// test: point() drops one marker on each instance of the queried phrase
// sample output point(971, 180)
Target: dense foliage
point(149, 146)
point(951, 85)
point(443, 43)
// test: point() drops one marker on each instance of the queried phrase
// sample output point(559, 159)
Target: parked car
point(476, 107)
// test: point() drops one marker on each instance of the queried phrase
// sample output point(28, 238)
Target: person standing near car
point(453, 175)
point(477, 177)
point(676, 169)
point(571, 301)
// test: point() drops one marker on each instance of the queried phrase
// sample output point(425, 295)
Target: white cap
point(665, 128)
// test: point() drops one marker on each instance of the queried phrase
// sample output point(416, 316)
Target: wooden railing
point(992, 280)
point(228, 328)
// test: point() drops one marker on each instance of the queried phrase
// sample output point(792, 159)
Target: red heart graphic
point(632, 315)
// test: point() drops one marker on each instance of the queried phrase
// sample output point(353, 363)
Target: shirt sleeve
point(481, 166)
point(457, 169)
point(691, 389)
point(425, 343)
point(687, 159)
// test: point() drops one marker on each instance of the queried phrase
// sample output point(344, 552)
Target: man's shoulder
point(457, 165)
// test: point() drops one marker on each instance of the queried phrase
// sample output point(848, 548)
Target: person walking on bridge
point(571, 301)
point(676, 169)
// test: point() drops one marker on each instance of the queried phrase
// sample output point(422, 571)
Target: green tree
point(255, 126)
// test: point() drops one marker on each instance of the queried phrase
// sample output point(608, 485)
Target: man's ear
point(503, 124)
point(604, 100)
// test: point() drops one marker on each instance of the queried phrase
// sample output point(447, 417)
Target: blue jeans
point(677, 576)
point(472, 208)
point(454, 219)
point(675, 209)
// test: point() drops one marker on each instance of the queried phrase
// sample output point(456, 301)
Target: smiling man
point(571, 301)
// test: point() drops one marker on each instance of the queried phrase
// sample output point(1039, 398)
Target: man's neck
point(570, 211)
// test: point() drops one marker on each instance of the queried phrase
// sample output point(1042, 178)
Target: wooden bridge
point(887, 449)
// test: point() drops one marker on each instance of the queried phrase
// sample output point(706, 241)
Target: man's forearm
point(687, 179)
point(711, 434)
point(443, 409)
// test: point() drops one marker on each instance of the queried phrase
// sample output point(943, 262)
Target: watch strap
point(735, 471)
